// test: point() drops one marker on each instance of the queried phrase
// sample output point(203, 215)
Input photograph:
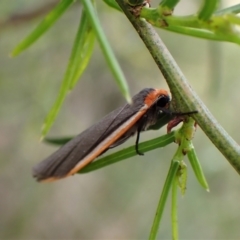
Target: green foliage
point(122, 154)
point(220, 25)
point(107, 51)
point(207, 9)
point(178, 173)
point(130, 152)
point(171, 178)
point(44, 25)
point(194, 161)
point(113, 4)
point(208, 23)
point(81, 53)
point(89, 27)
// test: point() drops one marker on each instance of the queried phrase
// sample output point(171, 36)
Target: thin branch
point(182, 91)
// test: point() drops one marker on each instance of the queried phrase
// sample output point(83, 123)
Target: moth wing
point(80, 148)
point(61, 162)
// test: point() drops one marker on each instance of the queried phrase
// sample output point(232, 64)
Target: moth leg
point(141, 126)
point(137, 142)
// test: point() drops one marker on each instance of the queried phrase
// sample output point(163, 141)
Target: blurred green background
point(119, 201)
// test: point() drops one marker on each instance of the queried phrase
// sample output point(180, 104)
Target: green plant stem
point(202, 33)
point(193, 26)
point(174, 209)
point(182, 91)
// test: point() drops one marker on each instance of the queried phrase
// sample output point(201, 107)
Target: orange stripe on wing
point(108, 141)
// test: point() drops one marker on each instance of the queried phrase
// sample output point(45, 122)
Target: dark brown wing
point(67, 157)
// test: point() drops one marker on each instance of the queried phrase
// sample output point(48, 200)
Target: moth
point(111, 131)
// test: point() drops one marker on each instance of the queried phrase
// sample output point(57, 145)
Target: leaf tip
point(44, 131)
point(128, 98)
point(14, 53)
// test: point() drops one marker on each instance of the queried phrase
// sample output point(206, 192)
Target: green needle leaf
point(82, 50)
point(107, 51)
point(174, 209)
point(167, 186)
point(218, 28)
point(80, 55)
point(193, 159)
point(45, 24)
point(207, 9)
point(129, 152)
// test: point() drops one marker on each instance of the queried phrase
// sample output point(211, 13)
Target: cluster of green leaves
point(177, 175)
point(207, 23)
point(89, 29)
point(220, 25)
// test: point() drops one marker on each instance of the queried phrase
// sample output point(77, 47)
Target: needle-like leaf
point(129, 152)
point(46, 23)
point(107, 51)
point(81, 52)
